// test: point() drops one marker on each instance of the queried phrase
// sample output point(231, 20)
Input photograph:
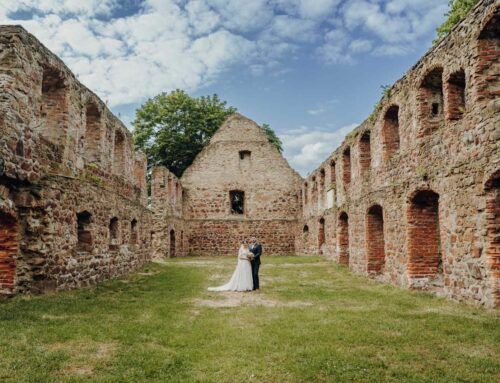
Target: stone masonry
point(410, 198)
point(72, 190)
point(238, 159)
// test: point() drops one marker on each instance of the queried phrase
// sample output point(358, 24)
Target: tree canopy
point(172, 128)
point(458, 10)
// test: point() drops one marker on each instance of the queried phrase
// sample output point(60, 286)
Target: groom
point(256, 250)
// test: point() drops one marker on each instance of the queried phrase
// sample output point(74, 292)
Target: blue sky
point(312, 69)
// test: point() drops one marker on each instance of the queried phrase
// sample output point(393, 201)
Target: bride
point(242, 276)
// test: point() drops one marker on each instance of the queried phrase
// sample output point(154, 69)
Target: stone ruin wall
point(411, 196)
point(271, 199)
point(72, 190)
point(169, 236)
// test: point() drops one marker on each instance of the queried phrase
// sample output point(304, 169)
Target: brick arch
point(119, 153)
point(93, 131)
point(390, 132)
point(343, 238)
point(455, 95)
point(488, 58)
point(364, 147)
point(492, 188)
point(424, 247)
point(54, 106)
point(346, 166)
point(430, 101)
point(375, 242)
point(9, 245)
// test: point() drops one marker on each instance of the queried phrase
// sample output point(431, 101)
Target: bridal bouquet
point(250, 256)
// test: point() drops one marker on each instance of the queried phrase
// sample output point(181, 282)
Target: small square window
point(237, 199)
point(245, 154)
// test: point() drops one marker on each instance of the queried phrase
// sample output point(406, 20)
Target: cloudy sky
point(312, 69)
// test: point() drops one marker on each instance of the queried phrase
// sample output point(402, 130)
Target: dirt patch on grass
point(237, 299)
point(82, 356)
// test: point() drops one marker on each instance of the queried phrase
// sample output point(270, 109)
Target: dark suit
point(256, 250)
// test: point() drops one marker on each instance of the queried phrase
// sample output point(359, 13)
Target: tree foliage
point(172, 128)
point(272, 137)
point(458, 10)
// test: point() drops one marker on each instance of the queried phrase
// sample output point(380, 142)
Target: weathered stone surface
point(67, 168)
point(429, 158)
point(411, 197)
point(238, 158)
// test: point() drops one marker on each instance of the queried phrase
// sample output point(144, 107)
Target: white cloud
point(306, 148)
point(169, 44)
point(387, 29)
point(360, 46)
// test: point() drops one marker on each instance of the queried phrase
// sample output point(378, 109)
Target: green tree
point(458, 10)
point(272, 137)
point(172, 128)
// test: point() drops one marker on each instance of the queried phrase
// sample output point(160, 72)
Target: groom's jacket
point(257, 252)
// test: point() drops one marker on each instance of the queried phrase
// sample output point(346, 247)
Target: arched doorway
point(375, 244)
point(8, 251)
point(343, 238)
point(172, 243)
point(321, 233)
point(493, 233)
point(424, 250)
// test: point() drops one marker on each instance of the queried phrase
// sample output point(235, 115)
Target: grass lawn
point(312, 322)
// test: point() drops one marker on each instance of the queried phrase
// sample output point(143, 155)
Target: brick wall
point(64, 177)
point(449, 149)
point(271, 193)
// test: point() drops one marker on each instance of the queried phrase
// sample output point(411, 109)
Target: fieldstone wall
point(411, 196)
point(169, 238)
point(72, 190)
point(238, 159)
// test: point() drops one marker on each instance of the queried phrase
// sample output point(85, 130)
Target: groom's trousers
point(255, 274)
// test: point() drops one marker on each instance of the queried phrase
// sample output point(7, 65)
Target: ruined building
point(237, 187)
point(411, 197)
point(72, 190)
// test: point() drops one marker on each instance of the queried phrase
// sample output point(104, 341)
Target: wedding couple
point(246, 275)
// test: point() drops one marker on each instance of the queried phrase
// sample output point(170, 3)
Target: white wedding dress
point(242, 276)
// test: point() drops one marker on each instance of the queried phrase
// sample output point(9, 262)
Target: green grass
point(313, 321)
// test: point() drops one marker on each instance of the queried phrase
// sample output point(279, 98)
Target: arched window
point(321, 233)
point(488, 81)
point(365, 156)
point(390, 132)
point(172, 243)
point(430, 101)
point(114, 233)
point(305, 193)
point(119, 154)
point(92, 138)
point(332, 173)
point(455, 95)
point(134, 235)
point(54, 108)
point(346, 166)
point(375, 244)
point(84, 232)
